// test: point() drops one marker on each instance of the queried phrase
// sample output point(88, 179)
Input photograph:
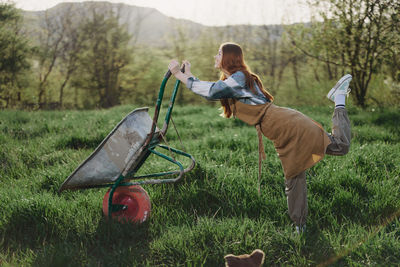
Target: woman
point(299, 141)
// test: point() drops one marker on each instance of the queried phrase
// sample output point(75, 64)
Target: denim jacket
point(232, 87)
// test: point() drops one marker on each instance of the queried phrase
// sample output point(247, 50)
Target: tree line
point(83, 59)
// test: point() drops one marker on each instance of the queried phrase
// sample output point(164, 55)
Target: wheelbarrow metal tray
point(114, 153)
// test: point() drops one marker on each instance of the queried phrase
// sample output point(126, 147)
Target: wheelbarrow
point(119, 157)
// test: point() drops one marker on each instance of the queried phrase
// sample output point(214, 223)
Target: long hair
point(233, 61)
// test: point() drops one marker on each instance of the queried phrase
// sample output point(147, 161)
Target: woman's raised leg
point(341, 134)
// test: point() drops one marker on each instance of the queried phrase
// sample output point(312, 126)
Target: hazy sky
point(208, 12)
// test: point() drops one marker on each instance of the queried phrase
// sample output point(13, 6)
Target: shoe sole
point(338, 84)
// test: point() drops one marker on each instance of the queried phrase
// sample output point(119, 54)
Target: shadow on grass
point(385, 127)
point(315, 238)
point(111, 244)
point(203, 194)
point(387, 119)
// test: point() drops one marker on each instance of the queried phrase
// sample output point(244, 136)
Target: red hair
point(233, 61)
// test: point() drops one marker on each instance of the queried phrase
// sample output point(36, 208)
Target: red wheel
point(136, 201)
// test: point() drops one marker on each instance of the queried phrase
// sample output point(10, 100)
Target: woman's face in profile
point(218, 59)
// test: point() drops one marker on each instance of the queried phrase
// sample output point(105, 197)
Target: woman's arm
point(187, 68)
point(232, 87)
point(175, 70)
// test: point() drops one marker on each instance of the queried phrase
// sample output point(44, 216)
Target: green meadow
point(354, 200)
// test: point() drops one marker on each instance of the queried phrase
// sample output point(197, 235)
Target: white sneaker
point(341, 87)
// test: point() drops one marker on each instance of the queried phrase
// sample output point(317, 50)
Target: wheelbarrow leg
point(110, 196)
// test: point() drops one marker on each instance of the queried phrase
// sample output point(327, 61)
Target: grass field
point(354, 201)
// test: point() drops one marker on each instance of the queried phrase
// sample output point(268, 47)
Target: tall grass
point(353, 200)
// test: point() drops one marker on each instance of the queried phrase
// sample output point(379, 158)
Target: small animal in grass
point(255, 259)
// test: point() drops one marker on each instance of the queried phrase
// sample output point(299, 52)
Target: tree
point(179, 45)
point(272, 55)
point(356, 37)
point(265, 56)
point(392, 60)
point(105, 53)
point(49, 50)
point(14, 51)
point(71, 47)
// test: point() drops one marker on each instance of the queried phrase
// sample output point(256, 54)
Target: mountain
point(148, 26)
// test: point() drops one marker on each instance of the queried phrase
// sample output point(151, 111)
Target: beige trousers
point(296, 187)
